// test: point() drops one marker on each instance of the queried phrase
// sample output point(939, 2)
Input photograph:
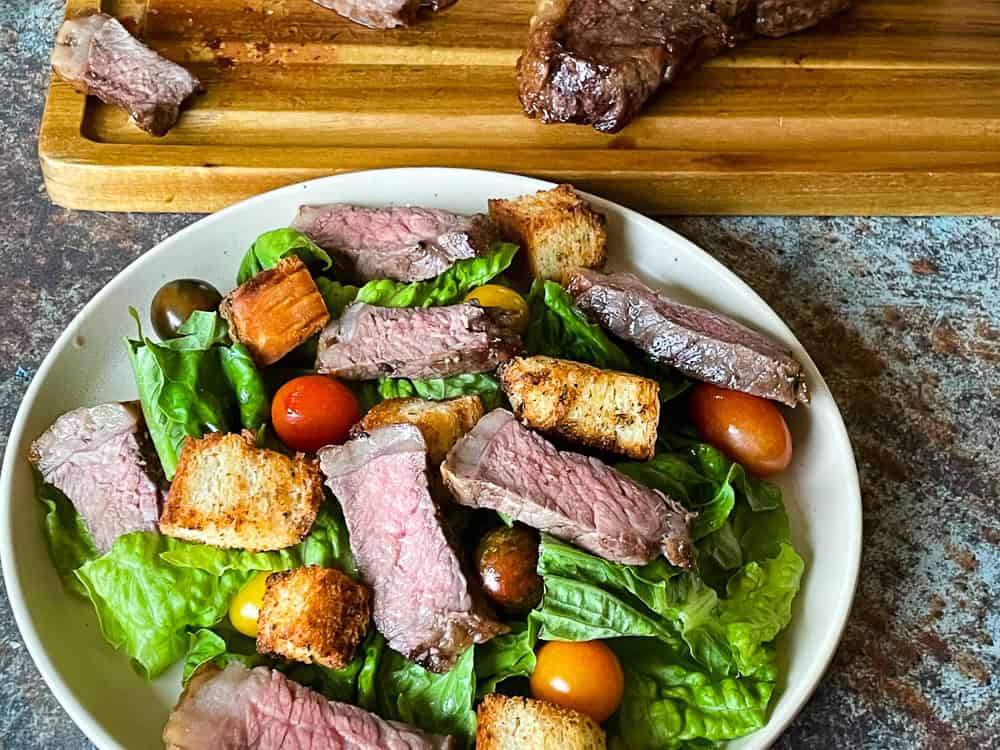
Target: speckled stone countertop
point(901, 315)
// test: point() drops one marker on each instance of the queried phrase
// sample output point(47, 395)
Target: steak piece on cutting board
point(702, 344)
point(596, 62)
point(422, 602)
point(383, 14)
point(98, 56)
point(504, 466)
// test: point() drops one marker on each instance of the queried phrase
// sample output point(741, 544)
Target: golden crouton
point(228, 493)
point(514, 723)
point(275, 311)
point(441, 423)
point(313, 615)
point(604, 409)
point(557, 230)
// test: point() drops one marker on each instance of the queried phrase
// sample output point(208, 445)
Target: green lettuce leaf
point(69, 542)
point(276, 245)
point(505, 656)
point(326, 545)
point(195, 384)
point(446, 288)
point(145, 605)
point(758, 606)
point(485, 385)
point(587, 597)
point(248, 385)
point(705, 481)
point(559, 329)
point(437, 703)
point(669, 701)
point(337, 296)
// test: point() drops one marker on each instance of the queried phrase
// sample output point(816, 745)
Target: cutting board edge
point(874, 192)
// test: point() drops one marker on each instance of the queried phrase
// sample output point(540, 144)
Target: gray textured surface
point(902, 316)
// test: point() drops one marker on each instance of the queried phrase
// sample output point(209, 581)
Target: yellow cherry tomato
point(585, 676)
point(245, 606)
point(495, 295)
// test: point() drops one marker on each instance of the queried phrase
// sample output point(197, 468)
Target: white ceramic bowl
point(118, 710)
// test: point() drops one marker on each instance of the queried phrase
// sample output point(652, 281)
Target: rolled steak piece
point(504, 466)
point(238, 708)
point(102, 459)
point(401, 243)
point(98, 56)
point(423, 605)
point(702, 344)
point(383, 14)
point(402, 342)
point(596, 62)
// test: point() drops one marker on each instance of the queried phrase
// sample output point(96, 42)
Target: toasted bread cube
point(313, 615)
point(275, 311)
point(441, 423)
point(557, 230)
point(229, 493)
point(515, 723)
point(604, 409)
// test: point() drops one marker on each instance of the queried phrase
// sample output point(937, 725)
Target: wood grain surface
point(892, 108)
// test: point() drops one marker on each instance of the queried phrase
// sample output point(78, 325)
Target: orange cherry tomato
point(585, 676)
point(746, 428)
point(312, 411)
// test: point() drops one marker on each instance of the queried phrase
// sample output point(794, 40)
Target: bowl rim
point(96, 733)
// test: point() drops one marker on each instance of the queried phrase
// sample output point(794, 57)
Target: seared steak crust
point(702, 344)
point(596, 62)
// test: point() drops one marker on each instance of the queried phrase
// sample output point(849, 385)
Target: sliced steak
point(596, 62)
point(504, 466)
point(701, 344)
point(423, 606)
point(103, 460)
point(383, 14)
point(98, 56)
point(369, 342)
point(402, 243)
point(239, 708)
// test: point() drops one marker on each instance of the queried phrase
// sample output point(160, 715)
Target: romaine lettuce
point(194, 384)
point(70, 544)
point(145, 605)
point(271, 247)
point(447, 288)
point(485, 385)
point(669, 701)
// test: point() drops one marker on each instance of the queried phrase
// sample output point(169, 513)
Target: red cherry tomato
point(585, 676)
point(312, 411)
point(746, 428)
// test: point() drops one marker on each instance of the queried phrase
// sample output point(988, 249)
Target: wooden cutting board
point(893, 108)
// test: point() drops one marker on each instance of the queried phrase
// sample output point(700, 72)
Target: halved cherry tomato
point(312, 411)
point(585, 676)
point(746, 428)
point(495, 295)
point(245, 606)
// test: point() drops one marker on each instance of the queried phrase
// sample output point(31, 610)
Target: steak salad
point(437, 512)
